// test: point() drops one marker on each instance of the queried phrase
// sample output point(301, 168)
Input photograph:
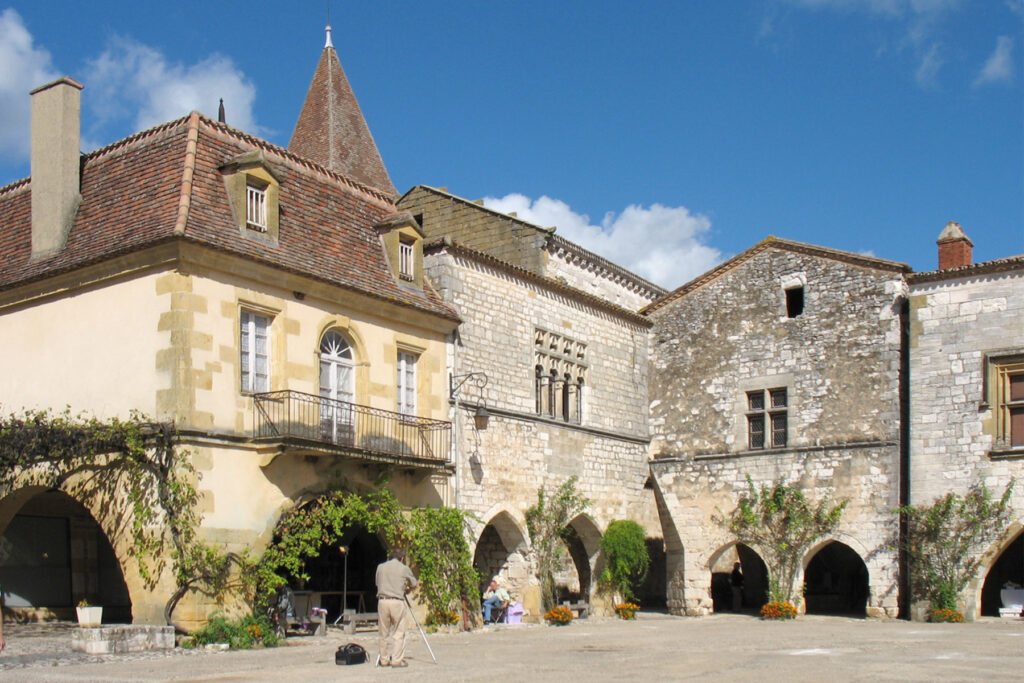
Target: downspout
point(904, 493)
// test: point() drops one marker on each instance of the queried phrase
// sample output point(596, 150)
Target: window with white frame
point(406, 267)
point(407, 383)
point(254, 352)
point(767, 420)
point(256, 206)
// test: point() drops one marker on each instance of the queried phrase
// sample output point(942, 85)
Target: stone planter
point(89, 617)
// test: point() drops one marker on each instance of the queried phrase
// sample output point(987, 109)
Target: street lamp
point(480, 416)
point(343, 549)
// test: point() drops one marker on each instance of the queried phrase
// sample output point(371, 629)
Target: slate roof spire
point(331, 129)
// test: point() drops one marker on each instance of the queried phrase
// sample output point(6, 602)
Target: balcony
point(314, 424)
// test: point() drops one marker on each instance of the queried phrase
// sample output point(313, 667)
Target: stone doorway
point(836, 581)
point(54, 554)
point(1008, 568)
point(755, 579)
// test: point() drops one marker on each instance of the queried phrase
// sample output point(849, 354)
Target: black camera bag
point(350, 654)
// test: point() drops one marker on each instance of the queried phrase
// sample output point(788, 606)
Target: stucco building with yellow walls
point(271, 304)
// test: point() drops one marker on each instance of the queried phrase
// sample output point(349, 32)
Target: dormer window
point(406, 260)
point(402, 240)
point(256, 205)
point(253, 190)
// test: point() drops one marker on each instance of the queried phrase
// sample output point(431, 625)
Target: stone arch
point(584, 545)
point(500, 550)
point(1002, 562)
point(836, 580)
point(754, 590)
point(55, 551)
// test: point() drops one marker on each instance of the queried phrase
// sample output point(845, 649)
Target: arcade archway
point(836, 581)
point(752, 590)
point(53, 554)
point(1007, 569)
point(501, 552)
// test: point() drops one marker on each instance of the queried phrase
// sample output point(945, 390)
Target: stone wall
point(839, 362)
point(958, 322)
point(501, 469)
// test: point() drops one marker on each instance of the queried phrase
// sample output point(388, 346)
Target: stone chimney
point(56, 113)
point(954, 247)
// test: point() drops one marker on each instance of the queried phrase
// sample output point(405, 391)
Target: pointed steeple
point(331, 129)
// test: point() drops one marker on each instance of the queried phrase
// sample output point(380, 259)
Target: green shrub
point(626, 558)
point(240, 634)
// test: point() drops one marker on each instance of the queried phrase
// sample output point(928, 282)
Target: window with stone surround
point(559, 376)
point(254, 352)
point(406, 263)
point(407, 383)
point(767, 421)
point(1004, 374)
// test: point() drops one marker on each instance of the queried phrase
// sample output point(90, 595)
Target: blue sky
point(665, 135)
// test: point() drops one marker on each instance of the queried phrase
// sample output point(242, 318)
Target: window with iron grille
point(256, 207)
point(254, 352)
point(767, 422)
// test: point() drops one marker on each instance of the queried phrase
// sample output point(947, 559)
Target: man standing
point(496, 597)
point(736, 581)
point(394, 580)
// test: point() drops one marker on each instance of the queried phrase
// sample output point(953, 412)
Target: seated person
point(495, 596)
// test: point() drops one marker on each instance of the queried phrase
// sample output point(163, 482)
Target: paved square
point(721, 647)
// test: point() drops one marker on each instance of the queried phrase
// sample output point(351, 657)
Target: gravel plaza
point(725, 647)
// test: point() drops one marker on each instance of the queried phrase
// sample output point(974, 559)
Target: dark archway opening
point(327, 578)
point(579, 590)
point(836, 581)
point(652, 592)
point(1009, 568)
point(754, 590)
point(499, 554)
point(52, 555)
point(490, 557)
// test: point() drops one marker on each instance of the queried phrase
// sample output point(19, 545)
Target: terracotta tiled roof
point(331, 129)
point(164, 184)
point(772, 242)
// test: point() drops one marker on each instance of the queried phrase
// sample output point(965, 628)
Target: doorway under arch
point(836, 581)
point(53, 554)
point(500, 552)
point(754, 589)
point(1008, 568)
point(329, 580)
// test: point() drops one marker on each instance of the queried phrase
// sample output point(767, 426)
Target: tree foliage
point(781, 523)
point(626, 558)
point(548, 525)
point(943, 541)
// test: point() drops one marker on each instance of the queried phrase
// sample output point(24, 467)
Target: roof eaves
point(1002, 265)
point(481, 257)
point(772, 242)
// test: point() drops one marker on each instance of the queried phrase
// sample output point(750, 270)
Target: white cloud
point(927, 74)
point(663, 244)
point(22, 68)
point(131, 79)
point(999, 66)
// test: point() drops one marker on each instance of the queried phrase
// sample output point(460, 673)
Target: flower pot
point(89, 617)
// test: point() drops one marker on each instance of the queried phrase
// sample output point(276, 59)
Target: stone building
point(783, 362)
point(967, 395)
point(273, 306)
point(554, 330)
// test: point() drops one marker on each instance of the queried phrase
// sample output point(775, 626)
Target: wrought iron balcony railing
point(370, 433)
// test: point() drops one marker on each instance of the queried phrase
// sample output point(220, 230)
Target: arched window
point(337, 387)
point(553, 393)
point(567, 388)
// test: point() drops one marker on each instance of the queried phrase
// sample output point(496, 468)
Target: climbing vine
point(139, 479)
point(435, 537)
point(440, 555)
point(548, 524)
point(779, 521)
point(944, 539)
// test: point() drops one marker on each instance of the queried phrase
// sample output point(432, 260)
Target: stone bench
point(121, 638)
